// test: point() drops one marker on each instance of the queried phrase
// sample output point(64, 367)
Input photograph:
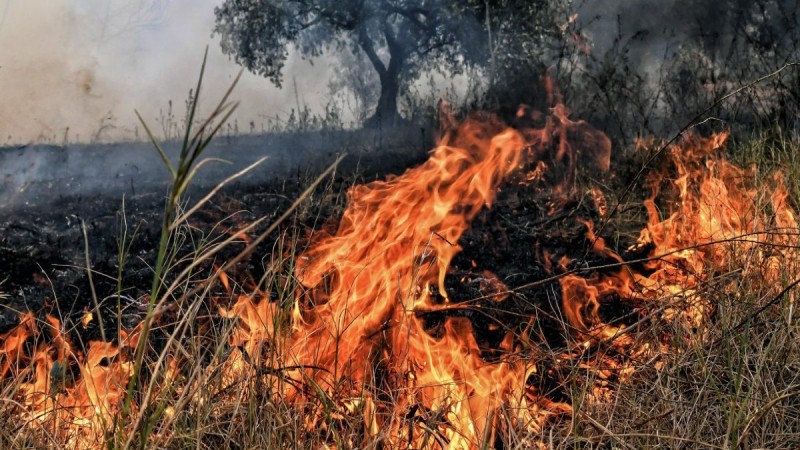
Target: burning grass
point(496, 296)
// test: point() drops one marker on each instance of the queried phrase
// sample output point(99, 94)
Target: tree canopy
point(400, 38)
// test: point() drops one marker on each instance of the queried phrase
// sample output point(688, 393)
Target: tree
point(399, 37)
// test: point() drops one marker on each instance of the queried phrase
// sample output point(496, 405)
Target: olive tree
point(400, 38)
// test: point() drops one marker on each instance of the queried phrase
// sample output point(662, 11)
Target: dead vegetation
point(219, 353)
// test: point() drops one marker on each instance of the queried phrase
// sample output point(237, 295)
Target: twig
point(739, 239)
point(601, 428)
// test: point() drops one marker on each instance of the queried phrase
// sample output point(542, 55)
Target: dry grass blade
point(213, 192)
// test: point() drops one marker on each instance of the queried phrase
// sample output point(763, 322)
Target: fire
point(717, 215)
point(356, 323)
point(357, 327)
point(72, 396)
point(363, 286)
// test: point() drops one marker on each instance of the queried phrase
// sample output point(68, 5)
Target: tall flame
point(362, 286)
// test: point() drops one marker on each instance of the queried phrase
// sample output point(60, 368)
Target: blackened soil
point(513, 241)
point(43, 254)
point(43, 258)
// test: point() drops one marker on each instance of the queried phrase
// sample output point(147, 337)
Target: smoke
point(655, 31)
point(75, 70)
point(655, 28)
point(652, 65)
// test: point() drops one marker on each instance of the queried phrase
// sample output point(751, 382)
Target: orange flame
point(362, 286)
point(356, 330)
point(716, 216)
point(76, 408)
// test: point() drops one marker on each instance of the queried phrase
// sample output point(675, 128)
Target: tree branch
point(397, 51)
point(365, 43)
point(410, 15)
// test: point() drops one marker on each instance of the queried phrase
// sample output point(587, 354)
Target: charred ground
point(44, 251)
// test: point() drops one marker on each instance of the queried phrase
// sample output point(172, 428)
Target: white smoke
point(75, 70)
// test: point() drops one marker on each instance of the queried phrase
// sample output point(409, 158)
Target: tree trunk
point(386, 113)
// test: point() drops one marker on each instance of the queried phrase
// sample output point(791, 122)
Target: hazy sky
point(86, 64)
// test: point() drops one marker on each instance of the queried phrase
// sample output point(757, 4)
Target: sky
point(75, 70)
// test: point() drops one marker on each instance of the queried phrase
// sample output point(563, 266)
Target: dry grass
point(733, 384)
point(737, 387)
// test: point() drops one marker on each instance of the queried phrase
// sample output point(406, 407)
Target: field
point(531, 310)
